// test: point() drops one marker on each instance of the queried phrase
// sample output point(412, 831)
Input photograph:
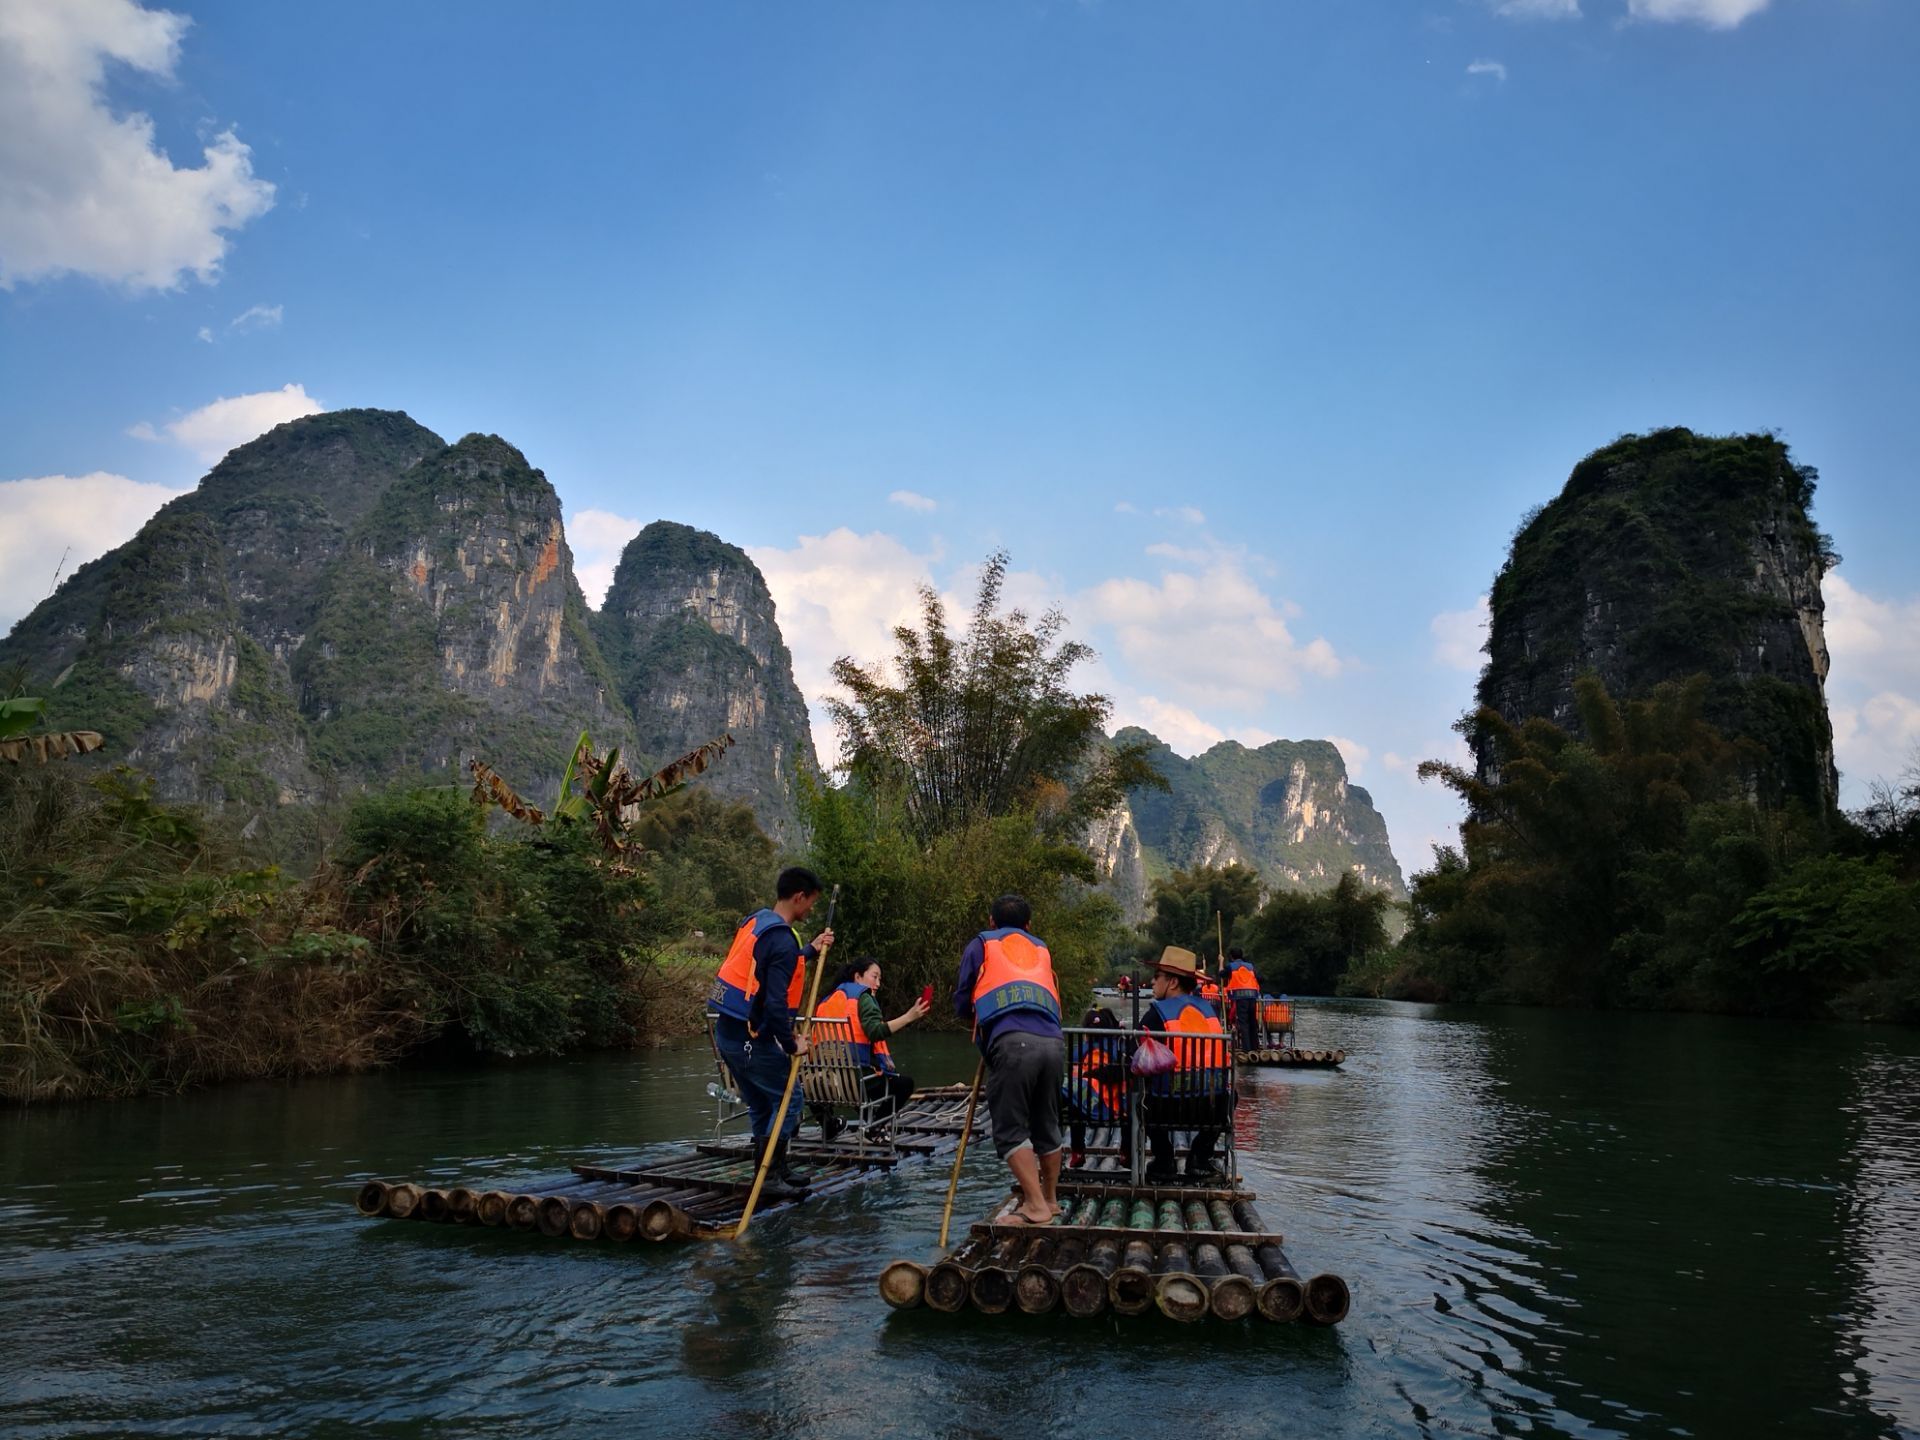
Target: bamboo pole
point(1035, 1290)
point(793, 1075)
point(1083, 1286)
point(372, 1199)
point(947, 1281)
point(991, 1289)
point(960, 1155)
point(903, 1284)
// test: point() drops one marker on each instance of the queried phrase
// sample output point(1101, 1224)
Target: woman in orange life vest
point(1194, 1096)
point(761, 983)
point(852, 1000)
point(1096, 1090)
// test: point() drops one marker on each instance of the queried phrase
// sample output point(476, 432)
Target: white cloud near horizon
point(1488, 67)
point(1714, 14)
point(215, 428)
point(87, 192)
point(597, 537)
point(80, 516)
point(912, 500)
point(1458, 636)
point(1873, 690)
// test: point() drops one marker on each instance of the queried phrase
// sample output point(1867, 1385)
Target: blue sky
point(1249, 329)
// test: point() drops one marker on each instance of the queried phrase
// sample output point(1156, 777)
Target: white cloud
point(1184, 732)
point(1538, 9)
point(596, 538)
point(1126, 507)
point(257, 317)
point(1458, 636)
point(205, 334)
point(82, 516)
point(1353, 752)
point(85, 191)
point(1874, 687)
point(840, 594)
point(1212, 640)
point(1488, 67)
point(214, 429)
point(1184, 554)
point(1187, 513)
point(1714, 14)
point(912, 500)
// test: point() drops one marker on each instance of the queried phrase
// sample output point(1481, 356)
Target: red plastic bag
point(1150, 1057)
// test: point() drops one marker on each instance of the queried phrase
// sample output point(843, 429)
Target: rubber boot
point(798, 1179)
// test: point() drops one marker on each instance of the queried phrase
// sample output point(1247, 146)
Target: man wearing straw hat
point(1194, 1095)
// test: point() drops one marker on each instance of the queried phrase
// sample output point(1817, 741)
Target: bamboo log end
point(1181, 1297)
point(1035, 1290)
point(946, 1288)
point(903, 1284)
point(372, 1199)
point(1083, 1291)
point(991, 1291)
point(433, 1205)
point(460, 1202)
point(490, 1208)
point(523, 1212)
point(1130, 1291)
point(622, 1222)
point(663, 1220)
point(586, 1221)
point(402, 1200)
point(1328, 1300)
point(1282, 1300)
point(552, 1215)
point(1233, 1298)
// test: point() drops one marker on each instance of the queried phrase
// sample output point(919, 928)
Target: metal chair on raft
point(1124, 1113)
point(832, 1079)
point(727, 1104)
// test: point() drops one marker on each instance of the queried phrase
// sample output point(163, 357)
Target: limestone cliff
point(1665, 556)
point(1287, 809)
point(690, 632)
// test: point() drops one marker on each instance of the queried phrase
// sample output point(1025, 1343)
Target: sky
point(1249, 330)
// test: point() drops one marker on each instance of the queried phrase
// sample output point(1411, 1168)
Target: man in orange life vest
point(760, 986)
point(1194, 1096)
point(1007, 989)
point(1243, 994)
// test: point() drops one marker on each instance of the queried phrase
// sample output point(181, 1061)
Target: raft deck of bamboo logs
point(1294, 1059)
point(690, 1196)
point(1185, 1253)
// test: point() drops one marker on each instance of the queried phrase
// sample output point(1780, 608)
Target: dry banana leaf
point(58, 745)
point(489, 787)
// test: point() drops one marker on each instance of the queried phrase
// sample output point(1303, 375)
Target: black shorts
point(1024, 1076)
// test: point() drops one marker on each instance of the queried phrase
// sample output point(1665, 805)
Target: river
point(1552, 1223)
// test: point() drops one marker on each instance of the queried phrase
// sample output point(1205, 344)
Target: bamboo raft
point(695, 1196)
point(1186, 1253)
point(1296, 1059)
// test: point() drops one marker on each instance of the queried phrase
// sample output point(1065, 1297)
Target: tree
point(1306, 943)
point(983, 725)
point(1186, 902)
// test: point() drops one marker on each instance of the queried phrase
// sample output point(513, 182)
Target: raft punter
point(760, 986)
point(1007, 989)
point(1243, 992)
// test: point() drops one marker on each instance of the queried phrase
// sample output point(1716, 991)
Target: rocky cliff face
point(690, 632)
point(344, 601)
point(1287, 809)
point(1666, 556)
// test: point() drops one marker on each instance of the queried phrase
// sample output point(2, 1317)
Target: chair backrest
point(829, 1075)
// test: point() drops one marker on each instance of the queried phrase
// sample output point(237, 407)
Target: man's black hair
point(1234, 952)
point(1011, 912)
point(796, 880)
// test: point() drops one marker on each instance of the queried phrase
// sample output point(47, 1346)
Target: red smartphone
point(926, 997)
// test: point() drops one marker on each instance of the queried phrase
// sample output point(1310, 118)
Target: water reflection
point(1552, 1224)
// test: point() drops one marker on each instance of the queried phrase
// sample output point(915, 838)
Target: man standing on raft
point(760, 986)
point(1008, 991)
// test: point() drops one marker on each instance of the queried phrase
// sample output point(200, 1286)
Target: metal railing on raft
point(1195, 1096)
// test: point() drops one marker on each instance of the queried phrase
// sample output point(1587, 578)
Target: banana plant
point(20, 716)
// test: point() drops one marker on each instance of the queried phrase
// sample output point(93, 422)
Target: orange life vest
point(1016, 973)
point(1200, 1066)
point(1242, 983)
point(734, 987)
point(844, 1004)
point(1096, 1099)
point(1209, 991)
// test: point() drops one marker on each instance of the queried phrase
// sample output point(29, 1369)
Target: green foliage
point(1634, 868)
point(983, 725)
point(1186, 902)
point(1307, 944)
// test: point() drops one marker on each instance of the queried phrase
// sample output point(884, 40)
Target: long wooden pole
point(966, 1134)
point(793, 1074)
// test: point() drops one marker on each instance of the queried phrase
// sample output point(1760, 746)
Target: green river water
point(1552, 1224)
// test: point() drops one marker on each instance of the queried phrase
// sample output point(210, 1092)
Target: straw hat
point(1175, 961)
